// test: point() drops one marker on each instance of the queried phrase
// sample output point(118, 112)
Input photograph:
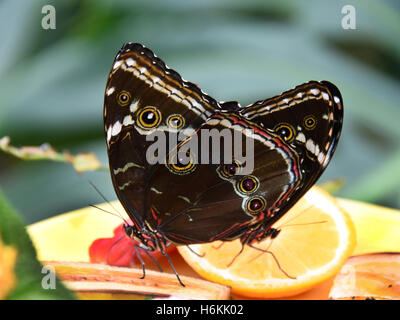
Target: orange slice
point(315, 240)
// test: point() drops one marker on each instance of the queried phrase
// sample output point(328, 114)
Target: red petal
point(98, 250)
point(119, 250)
point(122, 254)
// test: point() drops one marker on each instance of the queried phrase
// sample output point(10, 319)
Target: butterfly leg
point(218, 246)
point(197, 254)
point(141, 260)
point(237, 255)
point(261, 253)
point(108, 253)
point(172, 266)
point(154, 260)
point(269, 233)
point(274, 257)
point(244, 240)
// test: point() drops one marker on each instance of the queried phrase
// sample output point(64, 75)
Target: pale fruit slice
point(370, 276)
point(98, 281)
point(315, 240)
point(378, 228)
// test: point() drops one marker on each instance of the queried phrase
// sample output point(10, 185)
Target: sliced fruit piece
point(98, 281)
point(378, 228)
point(67, 237)
point(371, 276)
point(316, 238)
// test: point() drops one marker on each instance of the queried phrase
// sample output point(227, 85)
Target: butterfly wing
point(209, 202)
point(143, 96)
point(294, 137)
point(309, 118)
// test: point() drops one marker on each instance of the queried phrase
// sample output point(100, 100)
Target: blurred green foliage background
point(52, 81)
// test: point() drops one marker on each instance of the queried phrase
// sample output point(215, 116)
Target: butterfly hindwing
point(309, 119)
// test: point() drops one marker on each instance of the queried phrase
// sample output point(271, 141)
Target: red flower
point(119, 250)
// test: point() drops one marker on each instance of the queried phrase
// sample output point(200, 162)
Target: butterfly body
point(294, 136)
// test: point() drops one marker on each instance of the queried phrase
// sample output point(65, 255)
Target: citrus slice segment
point(315, 240)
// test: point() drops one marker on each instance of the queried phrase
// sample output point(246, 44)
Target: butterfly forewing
point(144, 96)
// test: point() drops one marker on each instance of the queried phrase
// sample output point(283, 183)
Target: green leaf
point(28, 269)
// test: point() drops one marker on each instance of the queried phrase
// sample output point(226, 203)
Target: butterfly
point(294, 136)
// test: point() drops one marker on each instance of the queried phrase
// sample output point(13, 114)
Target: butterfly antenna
point(302, 224)
point(109, 203)
point(106, 211)
point(294, 217)
point(287, 224)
